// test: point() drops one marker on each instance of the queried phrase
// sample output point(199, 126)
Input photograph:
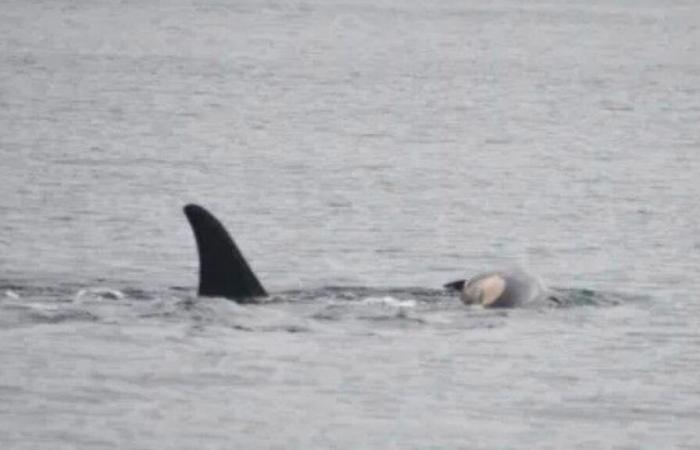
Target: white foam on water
point(96, 293)
point(11, 294)
point(390, 302)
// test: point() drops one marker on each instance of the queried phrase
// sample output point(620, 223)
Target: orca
point(223, 271)
point(501, 289)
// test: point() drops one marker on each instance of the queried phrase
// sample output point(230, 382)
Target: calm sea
point(362, 154)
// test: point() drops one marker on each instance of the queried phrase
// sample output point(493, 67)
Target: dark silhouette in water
point(223, 271)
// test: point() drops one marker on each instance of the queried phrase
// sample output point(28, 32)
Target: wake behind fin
point(223, 271)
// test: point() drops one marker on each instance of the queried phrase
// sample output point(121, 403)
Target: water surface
point(361, 154)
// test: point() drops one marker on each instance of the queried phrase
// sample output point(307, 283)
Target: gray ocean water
point(362, 154)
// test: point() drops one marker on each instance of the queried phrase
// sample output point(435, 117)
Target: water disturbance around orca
point(223, 271)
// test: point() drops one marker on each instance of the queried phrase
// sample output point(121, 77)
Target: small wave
point(346, 294)
point(293, 328)
point(12, 295)
point(27, 313)
point(399, 310)
point(137, 294)
point(60, 316)
point(390, 302)
point(567, 297)
point(99, 293)
point(401, 316)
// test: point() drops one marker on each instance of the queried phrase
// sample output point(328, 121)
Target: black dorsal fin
point(223, 271)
